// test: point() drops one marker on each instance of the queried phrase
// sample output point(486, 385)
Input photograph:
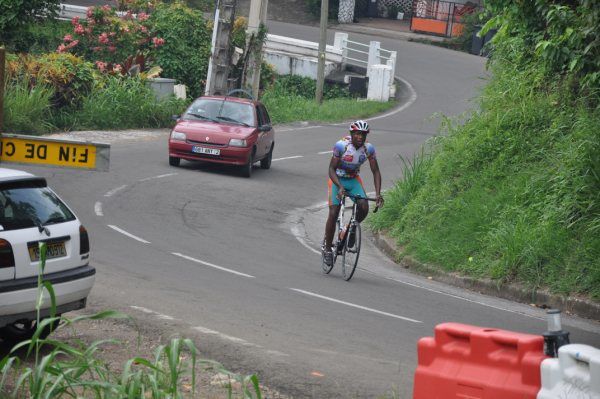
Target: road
point(233, 263)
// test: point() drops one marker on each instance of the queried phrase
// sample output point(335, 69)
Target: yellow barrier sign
point(53, 152)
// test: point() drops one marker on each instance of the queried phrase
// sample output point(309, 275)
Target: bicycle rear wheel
point(351, 253)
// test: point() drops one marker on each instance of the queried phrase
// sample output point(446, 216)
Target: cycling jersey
point(351, 157)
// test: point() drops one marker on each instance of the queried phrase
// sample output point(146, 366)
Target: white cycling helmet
point(359, 126)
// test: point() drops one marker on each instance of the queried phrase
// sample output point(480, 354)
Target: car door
point(269, 137)
point(260, 143)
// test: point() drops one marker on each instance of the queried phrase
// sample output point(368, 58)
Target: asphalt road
point(233, 262)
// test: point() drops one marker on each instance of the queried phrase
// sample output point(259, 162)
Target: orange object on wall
point(429, 25)
point(457, 29)
point(470, 362)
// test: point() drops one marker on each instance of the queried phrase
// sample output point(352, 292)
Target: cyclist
point(348, 154)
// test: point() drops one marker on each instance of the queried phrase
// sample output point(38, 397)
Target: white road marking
point(114, 191)
point(142, 309)
point(325, 152)
point(281, 159)
point(276, 353)
point(158, 177)
point(224, 336)
point(298, 128)
point(354, 305)
point(211, 265)
point(98, 209)
point(128, 234)
point(164, 317)
point(452, 295)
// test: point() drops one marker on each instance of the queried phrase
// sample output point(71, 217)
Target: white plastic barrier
point(379, 79)
point(575, 374)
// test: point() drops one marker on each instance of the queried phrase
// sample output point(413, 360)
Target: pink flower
point(112, 49)
point(67, 38)
point(97, 48)
point(142, 16)
point(117, 68)
point(158, 41)
point(79, 29)
point(73, 44)
point(75, 21)
point(103, 38)
point(106, 8)
point(101, 66)
point(112, 34)
point(143, 29)
point(90, 12)
point(61, 48)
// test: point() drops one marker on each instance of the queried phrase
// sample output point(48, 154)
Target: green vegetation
point(513, 193)
point(77, 370)
point(15, 15)
point(186, 50)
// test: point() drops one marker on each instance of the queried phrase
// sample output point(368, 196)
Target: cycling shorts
point(352, 185)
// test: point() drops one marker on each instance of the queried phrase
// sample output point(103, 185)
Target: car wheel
point(265, 163)
point(246, 169)
point(22, 330)
point(174, 161)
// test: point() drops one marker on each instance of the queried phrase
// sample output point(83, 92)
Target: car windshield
point(23, 207)
point(221, 111)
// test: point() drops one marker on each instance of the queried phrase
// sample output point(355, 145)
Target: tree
point(15, 14)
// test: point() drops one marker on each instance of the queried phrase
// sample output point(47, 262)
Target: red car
point(222, 129)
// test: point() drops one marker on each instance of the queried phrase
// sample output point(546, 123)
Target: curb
point(514, 292)
point(390, 34)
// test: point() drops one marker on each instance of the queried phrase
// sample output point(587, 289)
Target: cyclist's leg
point(356, 188)
point(334, 210)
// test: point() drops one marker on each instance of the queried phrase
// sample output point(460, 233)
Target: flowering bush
point(114, 43)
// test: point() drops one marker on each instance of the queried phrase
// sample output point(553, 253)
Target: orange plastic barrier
point(429, 25)
point(470, 362)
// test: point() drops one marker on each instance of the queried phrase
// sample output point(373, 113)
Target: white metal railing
point(375, 55)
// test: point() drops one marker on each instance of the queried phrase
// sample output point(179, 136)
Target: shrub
point(122, 103)
point(70, 77)
point(295, 85)
point(186, 51)
point(16, 14)
point(42, 37)
point(27, 109)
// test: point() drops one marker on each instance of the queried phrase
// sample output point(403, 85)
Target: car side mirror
point(265, 128)
point(175, 117)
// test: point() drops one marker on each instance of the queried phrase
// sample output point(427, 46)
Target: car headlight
point(238, 143)
point(175, 135)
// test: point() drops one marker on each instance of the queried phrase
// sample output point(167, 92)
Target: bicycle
point(343, 244)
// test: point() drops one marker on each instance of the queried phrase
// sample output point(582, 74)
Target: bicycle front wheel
point(351, 252)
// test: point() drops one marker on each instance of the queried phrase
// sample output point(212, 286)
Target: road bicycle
point(347, 240)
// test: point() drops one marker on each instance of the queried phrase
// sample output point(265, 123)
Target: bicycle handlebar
point(358, 197)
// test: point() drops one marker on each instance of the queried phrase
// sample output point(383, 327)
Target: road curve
point(232, 262)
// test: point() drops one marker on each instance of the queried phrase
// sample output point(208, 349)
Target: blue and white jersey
point(351, 157)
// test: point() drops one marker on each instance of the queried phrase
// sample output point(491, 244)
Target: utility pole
point(322, 47)
point(257, 16)
point(220, 60)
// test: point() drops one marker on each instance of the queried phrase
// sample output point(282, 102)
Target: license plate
point(204, 150)
point(54, 250)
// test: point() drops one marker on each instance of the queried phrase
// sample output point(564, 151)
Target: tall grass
point(76, 370)
point(27, 110)
point(121, 103)
point(513, 193)
point(286, 109)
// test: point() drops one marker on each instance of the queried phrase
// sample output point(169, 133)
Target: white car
point(30, 212)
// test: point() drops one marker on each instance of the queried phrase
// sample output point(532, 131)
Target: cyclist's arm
point(376, 179)
point(333, 165)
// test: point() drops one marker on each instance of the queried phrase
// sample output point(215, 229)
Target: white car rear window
point(25, 204)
